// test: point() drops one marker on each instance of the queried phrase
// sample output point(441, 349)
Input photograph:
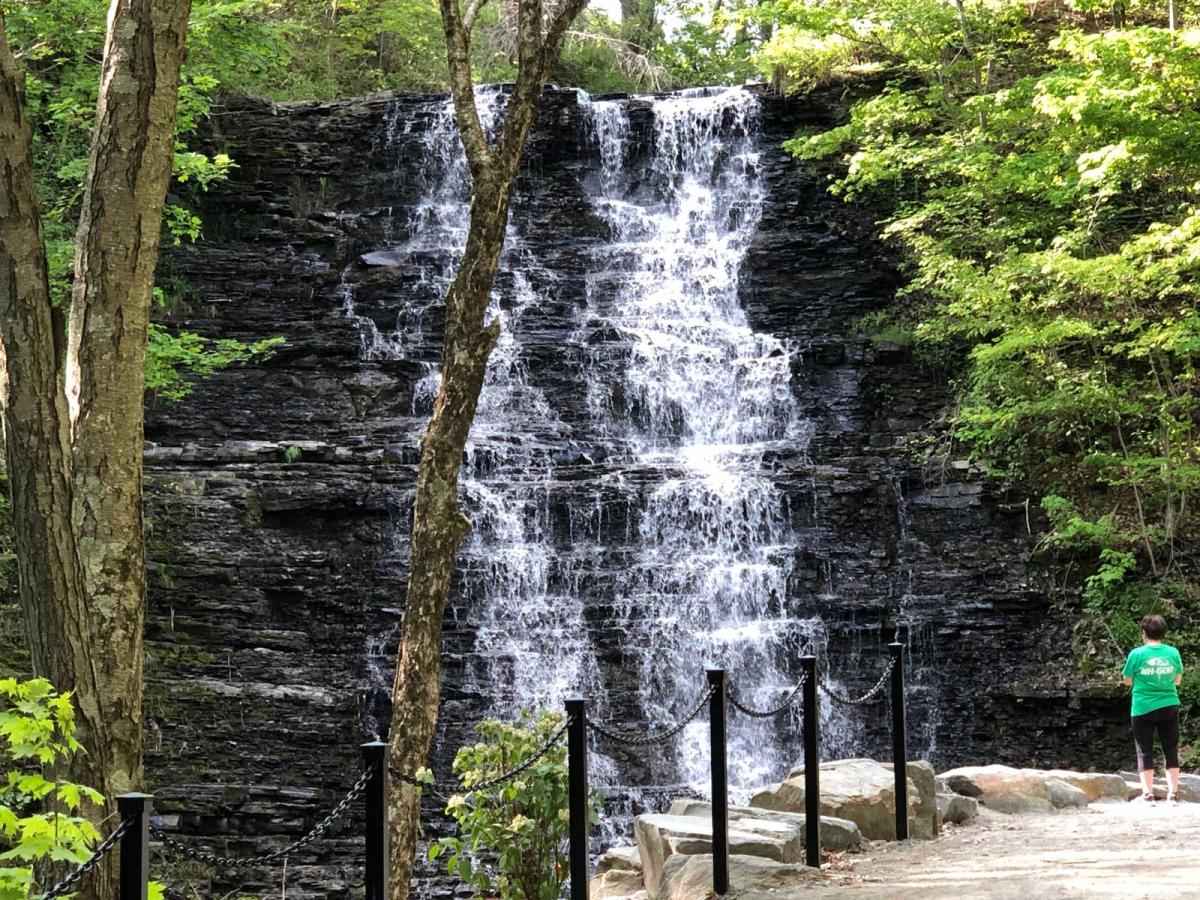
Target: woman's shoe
point(1173, 799)
point(1147, 799)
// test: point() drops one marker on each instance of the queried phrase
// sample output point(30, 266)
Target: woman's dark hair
point(1154, 627)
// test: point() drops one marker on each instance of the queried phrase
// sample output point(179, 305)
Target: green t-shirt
point(1153, 669)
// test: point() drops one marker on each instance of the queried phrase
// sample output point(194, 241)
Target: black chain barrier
point(317, 830)
point(650, 740)
point(866, 698)
point(788, 702)
point(64, 886)
point(444, 788)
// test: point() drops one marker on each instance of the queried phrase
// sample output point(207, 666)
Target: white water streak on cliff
point(688, 402)
point(703, 398)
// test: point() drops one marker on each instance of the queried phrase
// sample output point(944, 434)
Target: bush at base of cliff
point(40, 821)
point(511, 839)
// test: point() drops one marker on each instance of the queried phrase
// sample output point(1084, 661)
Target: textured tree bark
point(439, 525)
point(116, 249)
point(56, 613)
point(74, 451)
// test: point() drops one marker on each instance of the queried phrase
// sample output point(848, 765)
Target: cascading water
point(685, 404)
point(695, 399)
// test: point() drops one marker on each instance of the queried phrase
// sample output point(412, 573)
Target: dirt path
point(1110, 850)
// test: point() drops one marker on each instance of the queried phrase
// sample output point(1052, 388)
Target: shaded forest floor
point(1117, 850)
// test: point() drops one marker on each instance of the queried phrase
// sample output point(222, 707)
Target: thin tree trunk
point(116, 250)
point(638, 20)
point(439, 525)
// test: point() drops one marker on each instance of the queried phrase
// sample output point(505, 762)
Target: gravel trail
point(1109, 850)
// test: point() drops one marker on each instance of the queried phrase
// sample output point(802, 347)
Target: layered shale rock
point(278, 494)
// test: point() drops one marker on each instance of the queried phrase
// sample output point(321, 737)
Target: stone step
point(836, 834)
point(862, 791)
point(662, 836)
point(690, 878)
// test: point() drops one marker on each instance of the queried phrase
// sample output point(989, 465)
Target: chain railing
point(133, 833)
point(872, 694)
point(649, 740)
point(718, 697)
point(233, 862)
point(788, 702)
point(446, 788)
point(102, 849)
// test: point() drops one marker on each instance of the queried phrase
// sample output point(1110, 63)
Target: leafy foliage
point(175, 361)
point(510, 839)
point(60, 45)
point(41, 818)
point(1042, 181)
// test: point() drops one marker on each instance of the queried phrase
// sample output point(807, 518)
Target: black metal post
point(375, 756)
point(720, 780)
point(899, 748)
point(135, 845)
point(812, 764)
point(577, 795)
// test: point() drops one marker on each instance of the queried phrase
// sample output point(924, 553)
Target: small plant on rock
point(511, 839)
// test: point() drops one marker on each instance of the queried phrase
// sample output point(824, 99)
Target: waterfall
point(686, 405)
point(696, 399)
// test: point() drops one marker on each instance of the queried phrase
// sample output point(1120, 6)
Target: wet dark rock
point(278, 494)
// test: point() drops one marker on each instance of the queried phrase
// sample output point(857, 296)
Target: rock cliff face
point(277, 493)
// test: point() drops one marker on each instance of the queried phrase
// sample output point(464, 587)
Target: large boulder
point(1095, 785)
point(615, 883)
point(659, 837)
point(1000, 788)
point(836, 834)
point(957, 809)
point(860, 790)
point(923, 821)
point(618, 873)
point(1065, 796)
point(690, 878)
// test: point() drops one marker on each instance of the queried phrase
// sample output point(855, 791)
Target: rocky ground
point(978, 831)
point(1110, 849)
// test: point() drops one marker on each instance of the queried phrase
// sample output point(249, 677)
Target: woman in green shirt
point(1154, 670)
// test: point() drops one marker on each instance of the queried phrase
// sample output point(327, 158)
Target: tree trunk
point(56, 613)
point(75, 445)
point(58, 621)
point(438, 524)
point(116, 250)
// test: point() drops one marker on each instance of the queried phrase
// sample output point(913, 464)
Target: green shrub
point(511, 839)
point(40, 814)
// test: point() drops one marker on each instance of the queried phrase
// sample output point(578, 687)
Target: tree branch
point(462, 83)
point(560, 21)
point(473, 8)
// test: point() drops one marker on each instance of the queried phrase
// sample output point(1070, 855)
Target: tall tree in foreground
point(73, 409)
point(438, 524)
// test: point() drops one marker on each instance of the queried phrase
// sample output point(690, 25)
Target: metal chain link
point(320, 828)
point(865, 698)
point(443, 788)
point(769, 713)
point(91, 862)
point(652, 739)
